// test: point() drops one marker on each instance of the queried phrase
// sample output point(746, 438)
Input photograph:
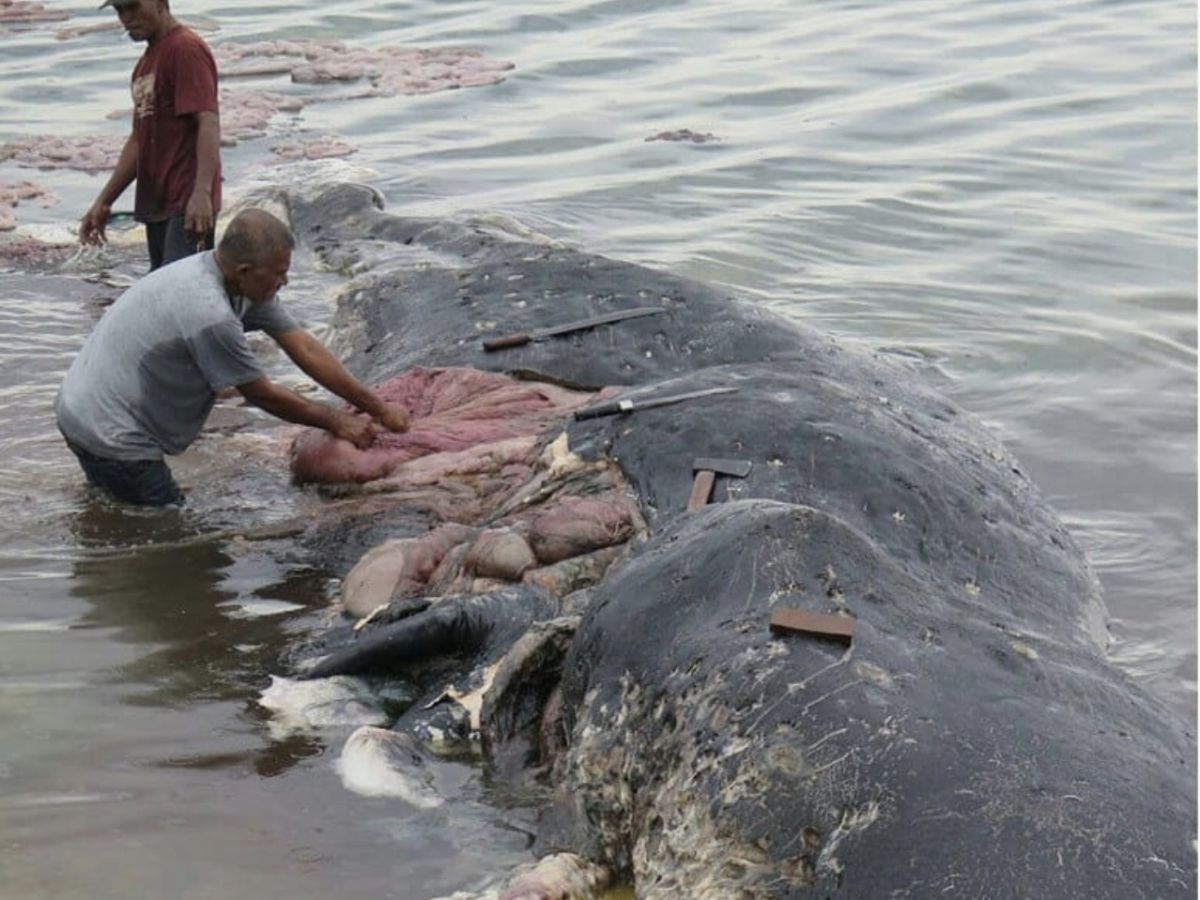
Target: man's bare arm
point(91, 227)
point(291, 407)
point(324, 368)
point(199, 214)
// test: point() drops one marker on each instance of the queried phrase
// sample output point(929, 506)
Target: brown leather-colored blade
point(785, 620)
point(702, 487)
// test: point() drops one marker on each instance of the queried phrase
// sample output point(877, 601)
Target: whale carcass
point(971, 740)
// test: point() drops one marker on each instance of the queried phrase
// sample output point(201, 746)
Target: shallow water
point(1002, 191)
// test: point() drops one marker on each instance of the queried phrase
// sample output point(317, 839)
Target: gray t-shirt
point(148, 374)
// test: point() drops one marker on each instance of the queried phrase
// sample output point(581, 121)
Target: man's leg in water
point(168, 241)
point(142, 482)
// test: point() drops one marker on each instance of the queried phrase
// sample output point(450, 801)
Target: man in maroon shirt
point(173, 151)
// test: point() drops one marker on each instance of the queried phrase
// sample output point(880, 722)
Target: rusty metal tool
point(788, 620)
point(520, 339)
point(626, 406)
point(706, 469)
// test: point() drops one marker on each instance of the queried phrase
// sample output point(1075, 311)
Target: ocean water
point(1002, 191)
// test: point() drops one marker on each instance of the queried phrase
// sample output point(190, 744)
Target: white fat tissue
point(558, 459)
point(299, 706)
point(376, 762)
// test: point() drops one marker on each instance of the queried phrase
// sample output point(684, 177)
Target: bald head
point(254, 255)
point(254, 236)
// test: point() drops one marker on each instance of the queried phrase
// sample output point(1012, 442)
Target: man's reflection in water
point(158, 577)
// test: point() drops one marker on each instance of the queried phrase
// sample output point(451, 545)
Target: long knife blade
point(625, 406)
point(521, 338)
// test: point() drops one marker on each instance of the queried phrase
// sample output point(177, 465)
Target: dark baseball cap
point(115, 3)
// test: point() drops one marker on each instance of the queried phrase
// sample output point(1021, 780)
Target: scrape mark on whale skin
point(683, 849)
point(852, 821)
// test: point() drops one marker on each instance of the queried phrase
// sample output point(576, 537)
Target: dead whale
point(971, 740)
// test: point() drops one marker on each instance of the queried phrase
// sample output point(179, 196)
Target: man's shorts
point(168, 241)
point(143, 482)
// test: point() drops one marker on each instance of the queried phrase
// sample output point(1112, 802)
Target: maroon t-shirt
point(175, 78)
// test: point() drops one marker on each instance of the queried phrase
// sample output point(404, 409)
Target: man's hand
point(291, 407)
point(393, 418)
point(323, 367)
point(359, 432)
point(91, 226)
point(198, 218)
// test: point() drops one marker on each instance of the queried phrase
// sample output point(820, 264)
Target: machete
point(540, 334)
point(624, 406)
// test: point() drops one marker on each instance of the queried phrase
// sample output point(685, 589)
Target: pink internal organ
point(475, 454)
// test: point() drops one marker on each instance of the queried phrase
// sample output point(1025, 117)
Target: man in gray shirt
point(149, 373)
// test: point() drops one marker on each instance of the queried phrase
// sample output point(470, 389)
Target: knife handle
point(604, 409)
point(702, 487)
point(506, 341)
